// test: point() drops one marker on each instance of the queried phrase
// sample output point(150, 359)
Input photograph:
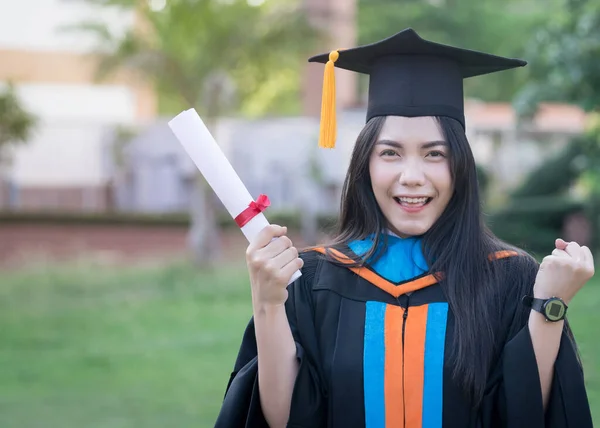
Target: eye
point(437, 154)
point(388, 152)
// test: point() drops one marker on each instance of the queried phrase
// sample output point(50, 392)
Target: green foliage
point(534, 222)
point(591, 179)
point(16, 124)
point(536, 210)
point(219, 57)
point(216, 56)
point(483, 178)
point(565, 66)
point(496, 26)
point(565, 58)
point(122, 138)
point(94, 218)
point(555, 175)
point(591, 161)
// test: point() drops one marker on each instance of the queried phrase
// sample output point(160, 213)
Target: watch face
point(554, 310)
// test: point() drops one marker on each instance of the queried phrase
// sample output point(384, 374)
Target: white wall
point(97, 103)
point(61, 154)
point(67, 149)
point(36, 24)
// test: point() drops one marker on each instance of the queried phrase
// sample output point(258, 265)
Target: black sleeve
point(241, 406)
point(514, 397)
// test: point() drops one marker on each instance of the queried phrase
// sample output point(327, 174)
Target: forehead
point(411, 129)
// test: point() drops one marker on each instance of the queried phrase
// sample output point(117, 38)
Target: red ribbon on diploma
point(255, 208)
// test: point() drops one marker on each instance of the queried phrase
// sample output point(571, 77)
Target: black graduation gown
point(372, 356)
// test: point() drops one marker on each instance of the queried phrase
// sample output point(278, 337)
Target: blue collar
point(403, 259)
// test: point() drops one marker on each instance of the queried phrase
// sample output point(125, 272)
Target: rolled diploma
point(204, 151)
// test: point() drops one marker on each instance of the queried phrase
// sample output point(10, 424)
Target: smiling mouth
point(412, 202)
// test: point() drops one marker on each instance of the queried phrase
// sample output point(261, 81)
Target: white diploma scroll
point(204, 151)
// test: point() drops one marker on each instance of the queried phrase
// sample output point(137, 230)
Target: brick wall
point(23, 243)
point(337, 20)
point(76, 198)
point(55, 198)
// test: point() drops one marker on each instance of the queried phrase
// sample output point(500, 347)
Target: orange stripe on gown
point(394, 405)
point(414, 364)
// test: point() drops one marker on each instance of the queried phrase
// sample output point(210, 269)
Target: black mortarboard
point(408, 76)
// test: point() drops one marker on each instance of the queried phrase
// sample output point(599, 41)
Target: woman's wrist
point(540, 293)
point(539, 319)
point(268, 310)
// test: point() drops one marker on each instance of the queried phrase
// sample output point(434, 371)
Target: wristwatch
point(554, 309)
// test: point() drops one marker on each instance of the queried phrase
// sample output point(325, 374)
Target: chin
point(405, 231)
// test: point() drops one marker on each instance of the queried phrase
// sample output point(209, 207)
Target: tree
point(218, 56)
point(565, 57)
point(16, 123)
point(496, 26)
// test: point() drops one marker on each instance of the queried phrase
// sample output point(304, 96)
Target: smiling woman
point(410, 173)
point(414, 315)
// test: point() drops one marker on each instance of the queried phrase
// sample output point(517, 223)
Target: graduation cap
point(408, 76)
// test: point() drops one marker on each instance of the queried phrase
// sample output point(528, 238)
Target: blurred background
point(123, 289)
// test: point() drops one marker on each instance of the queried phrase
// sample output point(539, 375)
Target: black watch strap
point(554, 309)
point(533, 303)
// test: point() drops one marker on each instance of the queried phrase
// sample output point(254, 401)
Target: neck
point(388, 231)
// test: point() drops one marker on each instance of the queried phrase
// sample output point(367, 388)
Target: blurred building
point(337, 19)
point(66, 165)
point(100, 145)
point(508, 148)
point(275, 156)
point(280, 156)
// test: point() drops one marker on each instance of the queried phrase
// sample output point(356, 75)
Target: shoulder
point(515, 271)
point(319, 262)
point(514, 261)
point(313, 261)
point(301, 291)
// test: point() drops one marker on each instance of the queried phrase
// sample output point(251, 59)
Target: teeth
point(413, 200)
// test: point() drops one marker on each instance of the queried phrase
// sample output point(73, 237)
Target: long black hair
point(457, 245)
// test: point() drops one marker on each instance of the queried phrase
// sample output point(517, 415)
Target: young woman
point(415, 315)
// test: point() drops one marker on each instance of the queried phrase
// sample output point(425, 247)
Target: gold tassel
point(328, 131)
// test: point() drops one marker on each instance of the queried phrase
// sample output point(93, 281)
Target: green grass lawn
point(96, 347)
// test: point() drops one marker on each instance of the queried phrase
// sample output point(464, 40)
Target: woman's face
point(410, 174)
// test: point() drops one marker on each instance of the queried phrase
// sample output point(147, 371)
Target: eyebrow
point(398, 145)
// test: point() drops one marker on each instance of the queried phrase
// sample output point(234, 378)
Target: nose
point(412, 174)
